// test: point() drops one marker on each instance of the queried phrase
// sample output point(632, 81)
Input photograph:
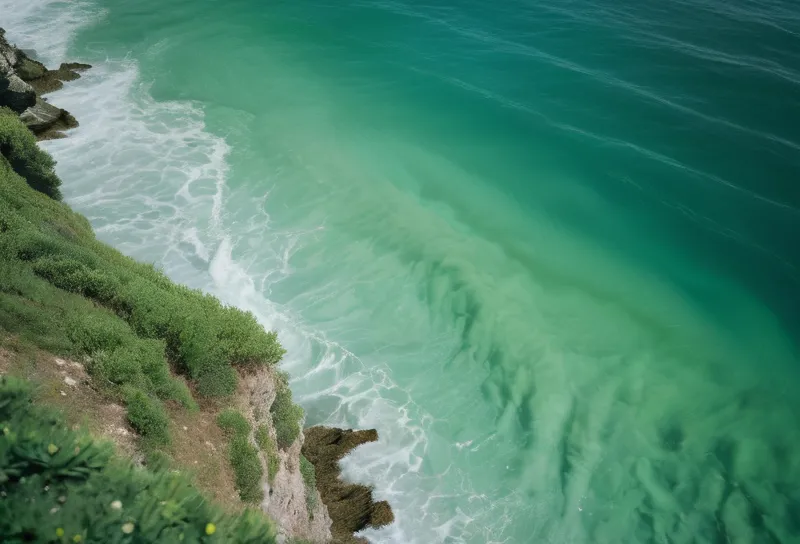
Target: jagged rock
point(15, 93)
point(351, 506)
point(27, 68)
point(53, 80)
point(47, 121)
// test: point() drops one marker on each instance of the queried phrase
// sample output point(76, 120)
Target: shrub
point(247, 469)
point(233, 423)
point(18, 146)
point(286, 417)
point(310, 481)
point(147, 416)
point(98, 331)
point(270, 449)
point(60, 486)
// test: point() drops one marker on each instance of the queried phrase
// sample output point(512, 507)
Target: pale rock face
point(285, 498)
point(40, 116)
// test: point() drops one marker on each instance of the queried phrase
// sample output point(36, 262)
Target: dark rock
point(27, 68)
point(15, 93)
point(350, 506)
point(47, 121)
point(53, 80)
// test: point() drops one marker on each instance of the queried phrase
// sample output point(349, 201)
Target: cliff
point(172, 376)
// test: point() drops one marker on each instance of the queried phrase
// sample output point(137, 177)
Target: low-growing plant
point(310, 481)
point(58, 485)
point(286, 417)
point(269, 449)
point(18, 146)
point(247, 469)
point(233, 423)
point(147, 416)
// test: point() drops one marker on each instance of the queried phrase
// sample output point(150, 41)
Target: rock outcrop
point(286, 496)
point(23, 79)
point(351, 506)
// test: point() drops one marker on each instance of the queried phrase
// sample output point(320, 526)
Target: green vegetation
point(270, 449)
point(59, 486)
point(233, 423)
point(286, 416)
point(247, 468)
point(147, 416)
point(243, 455)
point(69, 294)
point(310, 481)
point(18, 145)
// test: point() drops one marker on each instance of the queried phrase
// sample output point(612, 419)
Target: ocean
point(549, 249)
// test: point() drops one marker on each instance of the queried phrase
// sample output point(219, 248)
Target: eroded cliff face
point(22, 82)
point(299, 510)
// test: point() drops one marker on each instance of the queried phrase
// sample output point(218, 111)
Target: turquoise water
point(547, 249)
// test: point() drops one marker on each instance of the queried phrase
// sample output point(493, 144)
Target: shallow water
point(547, 249)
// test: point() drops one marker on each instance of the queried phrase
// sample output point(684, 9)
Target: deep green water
point(548, 249)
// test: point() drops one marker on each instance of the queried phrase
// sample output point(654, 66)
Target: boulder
point(47, 121)
point(15, 93)
point(27, 68)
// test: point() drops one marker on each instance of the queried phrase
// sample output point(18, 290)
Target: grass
point(18, 145)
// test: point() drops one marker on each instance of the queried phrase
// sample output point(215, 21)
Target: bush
point(18, 146)
point(233, 423)
point(310, 481)
point(147, 416)
point(286, 417)
point(270, 449)
point(98, 331)
point(247, 469)
point(60, 486)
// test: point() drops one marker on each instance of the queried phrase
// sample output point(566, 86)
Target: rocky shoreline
point(344, 508)
point(24, 80)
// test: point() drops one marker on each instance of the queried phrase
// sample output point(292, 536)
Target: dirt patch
point(199, 446)
point(351, 506)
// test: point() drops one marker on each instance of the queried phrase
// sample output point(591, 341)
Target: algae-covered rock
point(53, 80)
point(27, 68)
point(351, 506)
